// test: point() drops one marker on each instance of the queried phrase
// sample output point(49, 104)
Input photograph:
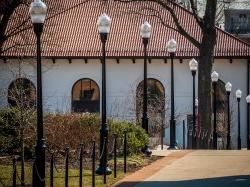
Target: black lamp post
point(38, 11)
point(248, 125)
point(238, 96)
point(228, 87)
point(145, 32)
point(196, 114)
point(193, 64)
point(171, 48)
point(103, 24)
point(214, 77)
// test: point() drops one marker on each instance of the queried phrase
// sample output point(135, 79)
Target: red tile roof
point(73, 33)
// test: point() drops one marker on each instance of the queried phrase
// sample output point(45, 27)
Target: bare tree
point(205, 44)
point(22, 98)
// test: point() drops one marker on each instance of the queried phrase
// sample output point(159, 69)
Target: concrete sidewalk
point(201, 168)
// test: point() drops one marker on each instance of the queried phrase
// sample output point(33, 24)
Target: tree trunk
point(204, 83)
point(205, 67)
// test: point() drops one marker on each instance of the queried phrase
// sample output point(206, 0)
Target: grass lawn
point(133, 163)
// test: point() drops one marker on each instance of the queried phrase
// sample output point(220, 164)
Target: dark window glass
point(85, 96)
point(240, 24)
point(156, 105)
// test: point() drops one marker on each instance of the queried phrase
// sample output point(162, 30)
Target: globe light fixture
point(196, 102)
point(228, 87)
point(193, 65)
point(103, 24)
point(145, 30)
point(248, 99)
point(215, 76)
point(238, 94)
point(38, 11)
point(171, 46)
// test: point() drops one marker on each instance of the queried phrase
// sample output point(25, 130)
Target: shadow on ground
point(231, 181)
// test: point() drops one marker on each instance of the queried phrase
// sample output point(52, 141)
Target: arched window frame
point(97, 110)
point(221, 108)
point(162, 110)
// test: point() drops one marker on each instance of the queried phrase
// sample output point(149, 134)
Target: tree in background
point(205, 44)
point(17, 123)
point(222, 5)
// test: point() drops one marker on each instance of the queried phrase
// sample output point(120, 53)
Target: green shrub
point(61, 131)
point(9, 134)
point(12, 122)
point(136, 136)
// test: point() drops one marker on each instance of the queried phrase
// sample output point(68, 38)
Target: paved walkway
point(194, 169)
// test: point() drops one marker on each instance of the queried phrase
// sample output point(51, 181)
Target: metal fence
point(80, 160)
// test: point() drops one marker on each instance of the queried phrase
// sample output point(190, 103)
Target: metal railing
point(78, 164)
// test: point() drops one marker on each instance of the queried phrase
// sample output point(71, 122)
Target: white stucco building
point(72, 68)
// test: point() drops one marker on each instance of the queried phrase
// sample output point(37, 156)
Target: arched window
point(22, 93)
point(221, 109)
point(85, 96)
point(156, 105)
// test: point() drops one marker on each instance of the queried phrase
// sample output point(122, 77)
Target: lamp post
point(145, 32)
point(248, 125)
point(103, 24)
point(171, 48)
point(215, 78)
point(228, 87)
point(38, 11)
point(193, 65)
point(238, 96)
point(196, 121)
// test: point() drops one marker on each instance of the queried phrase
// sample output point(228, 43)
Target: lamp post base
point(145, 150)
point(101, 170)
point(228, 142)
point(39, 165)
point(173, 147)
point(239, 143)
point(215, 140)
point(172, 135)
point(194, 143)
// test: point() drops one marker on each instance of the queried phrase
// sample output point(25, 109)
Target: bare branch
point(195, 13)
point(153, 13)
point(170, 7)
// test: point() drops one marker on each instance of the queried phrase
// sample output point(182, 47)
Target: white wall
point(122, 80)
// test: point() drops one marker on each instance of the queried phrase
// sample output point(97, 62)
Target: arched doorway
point(85, 96)
point(221, 110)
point(156, 105)
point(22, 93)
